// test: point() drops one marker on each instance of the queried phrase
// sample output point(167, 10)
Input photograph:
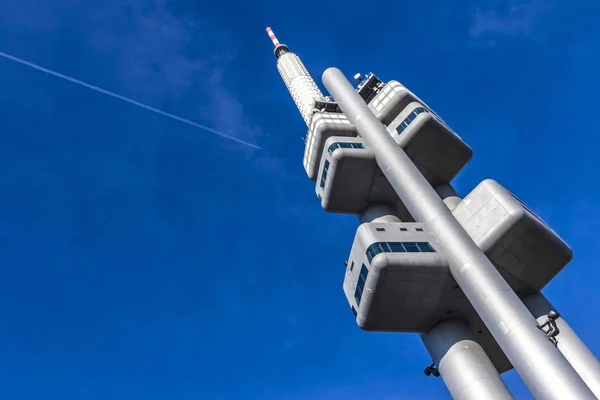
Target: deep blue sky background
point(143, 258)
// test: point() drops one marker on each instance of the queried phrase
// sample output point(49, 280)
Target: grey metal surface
point(438, 152)
point(403, 290)
point(541, 366)
point(387, 104)
point(379, 213)
point(575, 351)
point(448, 195)
point(409, 292)
point(463, 365)
point(353, 179)
point(524, 249)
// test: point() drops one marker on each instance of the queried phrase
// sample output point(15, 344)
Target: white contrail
point(128, 100)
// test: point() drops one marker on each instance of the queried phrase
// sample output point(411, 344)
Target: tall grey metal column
point(542, 367)
point(463, 364)
point(585, 363)
point(570, 345)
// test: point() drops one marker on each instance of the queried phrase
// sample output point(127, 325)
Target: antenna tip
point(279, 48)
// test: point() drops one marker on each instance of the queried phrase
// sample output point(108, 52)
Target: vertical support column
point(378, 213)
point(449, 196)
point(542, 367)
point(570, 345)
point(463, 364)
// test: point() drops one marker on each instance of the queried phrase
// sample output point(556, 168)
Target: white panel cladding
point(322, 127)
point(384, 96)
point(390, 90)
point(300, 84)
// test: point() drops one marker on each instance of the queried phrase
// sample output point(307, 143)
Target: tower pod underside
point(526, 251)
point(386, 105)
point(438, 152)
point(397, 280)
point(349, 178)
point(396, 277)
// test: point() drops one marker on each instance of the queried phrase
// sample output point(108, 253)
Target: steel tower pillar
point(570, 345)
point(541, 366)
point(463, 364)
point(378, 213)
point(567, 342)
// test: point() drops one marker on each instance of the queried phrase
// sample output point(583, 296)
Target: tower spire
point(300, 84)
point(273, 37)
point(280, 48)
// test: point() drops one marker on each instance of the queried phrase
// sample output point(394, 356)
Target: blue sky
point(143, 258)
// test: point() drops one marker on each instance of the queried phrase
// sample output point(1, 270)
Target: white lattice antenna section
point(302, 87)
point(300, 84)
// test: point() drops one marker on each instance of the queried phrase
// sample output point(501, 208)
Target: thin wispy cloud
point(518, 19)
point(123, 98)
point(152, 52)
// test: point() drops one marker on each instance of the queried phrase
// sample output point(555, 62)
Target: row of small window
point(401, 229)
point(339, 145)
point(410, 118)
point(360, 285)
point(398, 247)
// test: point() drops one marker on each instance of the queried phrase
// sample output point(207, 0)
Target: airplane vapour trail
point(126, 99)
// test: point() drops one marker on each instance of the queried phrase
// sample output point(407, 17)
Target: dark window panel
point(324, 175)
point(411, 247)
point(397, 247)
point(339, 145)
point(425, 247)
point(362, 279)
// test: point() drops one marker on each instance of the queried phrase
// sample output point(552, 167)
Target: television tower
point(466, 274)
